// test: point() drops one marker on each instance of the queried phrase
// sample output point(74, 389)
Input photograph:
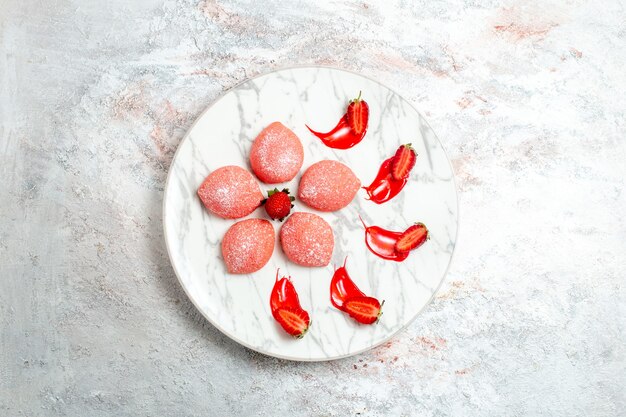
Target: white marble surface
point(527, 98)
point(239, 304)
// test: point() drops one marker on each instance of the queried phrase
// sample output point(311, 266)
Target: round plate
point(238, 305)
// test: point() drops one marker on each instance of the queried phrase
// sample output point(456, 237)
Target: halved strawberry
point(366, 310)
point(358, 115)
point(412, 238)
point(295, 321)
point(403, 162)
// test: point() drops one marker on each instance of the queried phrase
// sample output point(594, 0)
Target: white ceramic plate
point(238, 305)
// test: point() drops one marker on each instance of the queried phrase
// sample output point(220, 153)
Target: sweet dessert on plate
point(307, 239)
point(276, 155)
point(230, 192)
point(407, 193)
point(248, 245)
point(328, 186)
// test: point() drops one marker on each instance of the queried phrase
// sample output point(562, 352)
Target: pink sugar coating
point(328, 186)
point(277, 154)
point(248, 245)
point(307, 239)
point(230, 192)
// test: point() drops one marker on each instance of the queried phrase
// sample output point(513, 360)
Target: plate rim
point(216, 325)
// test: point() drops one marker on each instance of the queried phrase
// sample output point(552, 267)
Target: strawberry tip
point(301, 335)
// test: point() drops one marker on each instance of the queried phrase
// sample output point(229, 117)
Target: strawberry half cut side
point(403, 162)
point(365, 310)
point(295, 321)
point(358, 115)
point(412, 238)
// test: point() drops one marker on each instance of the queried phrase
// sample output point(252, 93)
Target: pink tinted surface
point(276, 155)
point(307, 239)
point(230, 192)
point(328, 186)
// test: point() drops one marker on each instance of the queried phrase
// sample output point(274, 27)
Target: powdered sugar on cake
point(328, 186)
point(248, 245)
point(230, 192)
point(307, 239)
point(277, 154)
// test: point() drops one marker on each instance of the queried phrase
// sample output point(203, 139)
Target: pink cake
point(276, 155)
point(328, 186)
point(230, 192)
point(307, 239)
point(248, 245)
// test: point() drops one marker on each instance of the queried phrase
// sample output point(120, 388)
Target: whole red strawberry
point(358, 115)
point(278, 203)
point(403, 162)
point(412, 238)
